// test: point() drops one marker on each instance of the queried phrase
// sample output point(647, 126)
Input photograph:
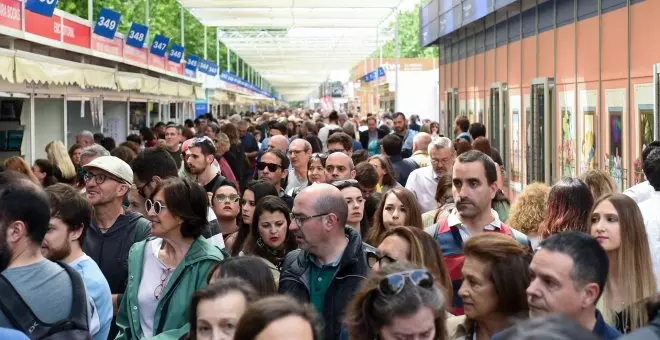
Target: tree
point(409, 46)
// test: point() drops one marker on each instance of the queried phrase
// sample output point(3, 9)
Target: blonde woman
point(529, 211)
point(18, 164)
point(59, 156)
point(617, 223)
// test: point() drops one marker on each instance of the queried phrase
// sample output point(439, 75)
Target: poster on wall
point(516, 166)
point(588, 100)
point(644, 119)
point(567, 145)
point(615, 102)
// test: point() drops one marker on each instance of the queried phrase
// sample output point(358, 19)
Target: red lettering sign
point(107, 46)
point(10, 14)
point(76, 33)
point(156, 61)
point(175, 67)
point(136, 55)
point(42, 25)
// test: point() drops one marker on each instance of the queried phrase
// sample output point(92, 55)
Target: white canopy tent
point(296, 44)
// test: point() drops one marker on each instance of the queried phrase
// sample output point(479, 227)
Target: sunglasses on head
point(320, 155)
point(272, 167)
point(393, 284)
point(155, 205)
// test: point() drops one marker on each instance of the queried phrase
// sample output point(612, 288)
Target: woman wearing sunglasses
point(495, 279)
point(398, 301)
point(166, 269)
point(225, 202)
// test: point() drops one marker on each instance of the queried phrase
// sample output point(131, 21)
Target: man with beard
point(70, 216)
point(474, 187)
point(407, 135)
point(44, 286)
point(201, 155)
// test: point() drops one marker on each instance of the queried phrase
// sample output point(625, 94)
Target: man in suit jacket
point(372, 133)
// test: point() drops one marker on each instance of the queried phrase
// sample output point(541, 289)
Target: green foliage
point(409, 46)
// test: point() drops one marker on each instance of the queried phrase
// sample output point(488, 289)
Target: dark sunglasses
point(272, 167)
point(393, 284)
point(156, 206)
point(373, 258)
point(233, 198)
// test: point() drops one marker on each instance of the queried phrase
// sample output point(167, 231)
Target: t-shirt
point(210, 185)
point(98, 290)
point(178, 160)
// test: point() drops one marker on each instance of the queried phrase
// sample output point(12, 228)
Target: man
point(69, 219)
point(201, 123)
point(569, 271)
point(300, 151)
point(112, 230)
point(424, 181)
point(349, 129)
point(331, 263)
point(91, 153)
point(407, 136)
point(85, 138)
point(403, 167)
point(275, 128)
point(340, 142)
point(372, 135)
point(420, 149)
point(333, 124)
point(649, 207)
point(278, 142)
point(273, 168)
point(46, 287)
point(461, 127)
point(474, 187)
point(644, 190)
point(413, 123)
point(250, 145)
point(342, 119)
point(201, 155)
point(173, 143)
point(339, 166)
point(477, 130)
point(367, 178)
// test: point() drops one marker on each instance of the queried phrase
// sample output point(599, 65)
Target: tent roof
point(296, 44)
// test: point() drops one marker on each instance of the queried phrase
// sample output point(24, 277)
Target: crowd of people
point(319, 225)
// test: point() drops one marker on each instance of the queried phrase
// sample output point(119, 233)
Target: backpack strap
point(19, 314)
point(78, 313)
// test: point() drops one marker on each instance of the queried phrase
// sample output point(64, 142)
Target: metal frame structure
point(295, 44)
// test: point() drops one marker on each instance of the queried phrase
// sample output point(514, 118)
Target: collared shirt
point(603, 330)
point(651, 214)
point(640, 192)
point(320, 277)
point(422, 159)
point(455, 221)
point(423, 183)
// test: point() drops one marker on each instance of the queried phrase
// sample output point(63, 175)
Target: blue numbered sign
point(192, 62)
point(213, 69)
point(107, 23)
point(43, 7)
point(176, 53)
point(204, 66)
point(136, 35)
point(159, 45)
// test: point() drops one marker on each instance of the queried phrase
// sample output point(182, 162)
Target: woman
point(398, 207)
point(59, 156)
point(45, 172)
point(350, 189)
point(461, 146)
point(225, 204)
point(18, 164)
point(397, 301)
point(136, 201)
point(124, 153)
point(212, 130)
point(255, 191)
point(167, 268)
point(435, 130)
point(494, 289)
point(316, 168)
point(252, 269)
point(74, 155)
point(599, 182)
point(445, 200)
point(618, 225)
point(216, 309)
point(279, 318)
point(529, 211)
point(235, 154)
point(386, 173)
point(417, 247)
point(569, 204)
point(269, 237)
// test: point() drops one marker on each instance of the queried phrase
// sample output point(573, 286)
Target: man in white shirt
point(649, 208)
point(643, 191)
point(424, 181)
point(333, 124)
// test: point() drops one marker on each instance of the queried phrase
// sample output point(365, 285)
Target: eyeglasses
point(140, 190)
point(300, 220)
point(272, 167)
point(158, 292)
point(156, 206)
point(99, 178)
point(295, 152)
point(233, 198)
point(393, 284)
point(373, 258)
point(320, 155)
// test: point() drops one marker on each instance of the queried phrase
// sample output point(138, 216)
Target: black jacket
point(353, 268)
point(364, 137)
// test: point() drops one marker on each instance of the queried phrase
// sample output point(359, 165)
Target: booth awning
point(168, 88)
point(186, 90)
point(101, 77)
point(129, 81)
point(35, 68)
point(7, 64)
point(200, 93)
point(150, 85)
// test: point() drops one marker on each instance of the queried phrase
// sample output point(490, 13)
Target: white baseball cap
point(114, 166)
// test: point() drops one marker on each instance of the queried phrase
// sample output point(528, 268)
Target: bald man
point(420, 150)
point(339, 167)
point(278, 142)
point(332, 260)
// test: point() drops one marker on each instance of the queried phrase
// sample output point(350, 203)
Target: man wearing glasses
point(423, 182)
point(331, 263)
point(273, 167)
point(112, 230)
point(299, 152)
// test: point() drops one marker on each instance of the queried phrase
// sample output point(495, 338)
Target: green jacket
point(171, 319)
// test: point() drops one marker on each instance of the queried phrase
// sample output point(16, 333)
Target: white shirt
point(324, 132)
point(651, 215)
point(423, 182)
point(640, 192)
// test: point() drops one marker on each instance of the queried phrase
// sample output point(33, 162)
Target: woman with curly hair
point(529, 211)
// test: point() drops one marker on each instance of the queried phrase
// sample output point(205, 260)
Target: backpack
point(75, 327)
